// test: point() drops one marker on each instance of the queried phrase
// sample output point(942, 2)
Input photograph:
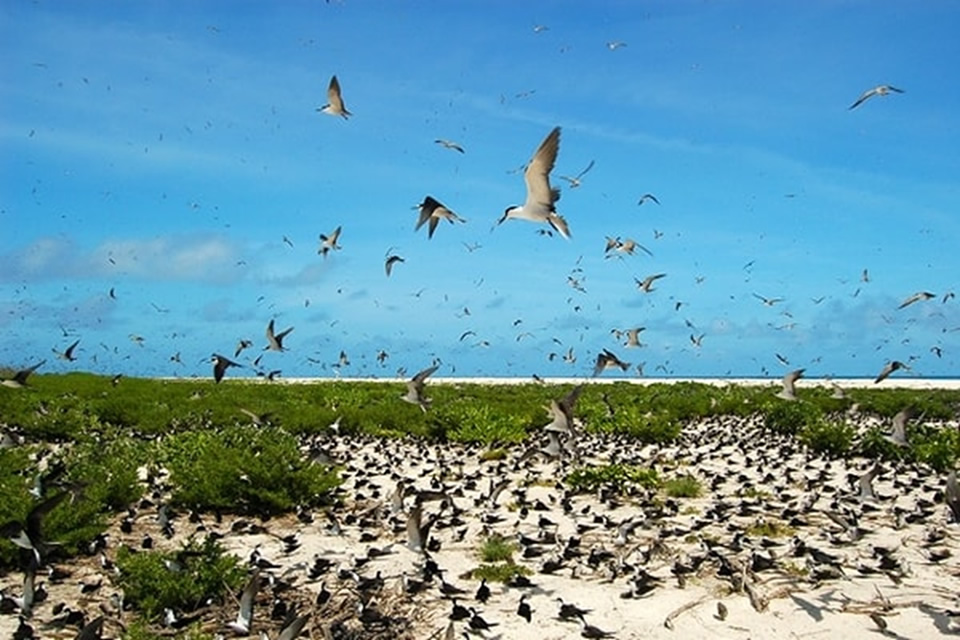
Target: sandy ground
point(899, 563)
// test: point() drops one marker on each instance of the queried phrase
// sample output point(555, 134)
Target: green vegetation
point(682, 487)
point(499, 572)
point(243, 469)
point(496, 548)
point(770, 528)
point(620, 477)
point(180, 580)
point(220, 458)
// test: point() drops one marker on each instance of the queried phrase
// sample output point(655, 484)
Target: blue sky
point(165, 149)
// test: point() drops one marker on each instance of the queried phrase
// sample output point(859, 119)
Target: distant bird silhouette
point(575, 181)
point(329, 243)
point(879, 90)
point(67, 354)
point(449, 144)
point(917, 297)
point(335, 105)
point(647, 196)
point(646, 285)
point(390, 261)
point(889, 368)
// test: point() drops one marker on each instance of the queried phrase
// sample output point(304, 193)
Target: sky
point(165, 175)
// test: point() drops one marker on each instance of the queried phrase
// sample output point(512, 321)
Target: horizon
point(164, 191)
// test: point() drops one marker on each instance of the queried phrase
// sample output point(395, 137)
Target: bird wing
point(333, 94)
point(866, 95)
point(537, 175)
point(426, 373)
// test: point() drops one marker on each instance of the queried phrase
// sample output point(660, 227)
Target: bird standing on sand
point(541, 197)
point(880, 90)
point(335, 106)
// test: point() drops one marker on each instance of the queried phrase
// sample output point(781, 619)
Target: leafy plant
point(618, 476)
point(682, 487)
point(182, 580)
point(496, 548)
point(499, 572)
point(828, 436)
point(244, 469)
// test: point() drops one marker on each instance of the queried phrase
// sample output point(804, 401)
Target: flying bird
point(889, 368)
point(275, 340)
point(449, 144)
point(767, 301)
point(19, 378)
point(607, 360)
point(789, 391)
point(627, 246)
point(575, 181)
point(67, 354)
point(917, 297)
point(220, 366)
point(433, 211)
point(646, 285)
point(647, 196)
point(613, 45)
point(329, 243)
point(243, 344)
point(335, 106)
point(541, 197)
point(241, 625)
point(390, 261)
point(414, 393)
point(880, 90)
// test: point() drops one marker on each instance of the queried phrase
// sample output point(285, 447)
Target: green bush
point(832, 438)
point(683, 487)
point(244, 469)
point(617, 476)
point(180, 580)
point(789, 418)
point(496, 548)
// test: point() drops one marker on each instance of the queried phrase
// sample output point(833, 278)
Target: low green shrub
point(244, 469)
point(617, 476)
point(182, 580)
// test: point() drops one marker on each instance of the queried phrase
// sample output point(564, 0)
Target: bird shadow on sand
point(808, 607)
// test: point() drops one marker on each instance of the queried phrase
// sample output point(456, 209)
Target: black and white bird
point(19, 378)
point(220, 366)
point(879, 90)
point(67, 354)
point(241, 625)
point(275, 340)
point(329, 243)
point(432, 211)
point(335, 105)
point(541, 197)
